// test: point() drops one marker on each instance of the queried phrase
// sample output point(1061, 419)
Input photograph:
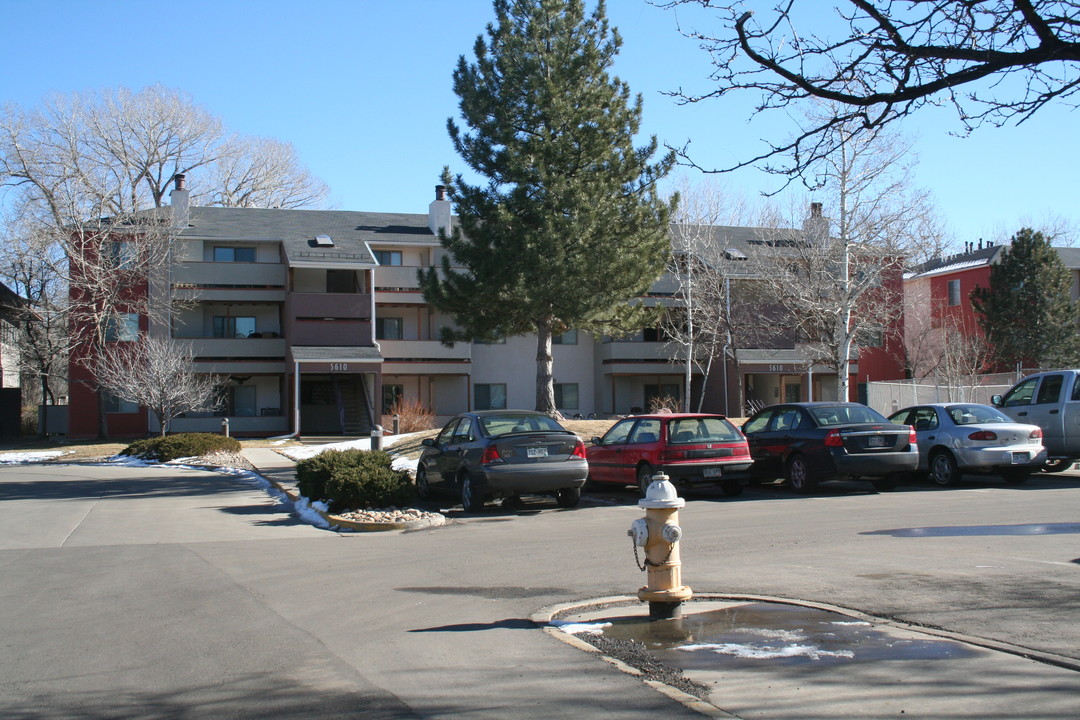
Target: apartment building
point(314, 323)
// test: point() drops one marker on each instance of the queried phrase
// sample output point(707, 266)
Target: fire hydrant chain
point(643, 565)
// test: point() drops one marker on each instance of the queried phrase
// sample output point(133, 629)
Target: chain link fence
point(888, 397)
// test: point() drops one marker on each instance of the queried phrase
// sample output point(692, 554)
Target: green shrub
point(181, 445)
point(353, 480)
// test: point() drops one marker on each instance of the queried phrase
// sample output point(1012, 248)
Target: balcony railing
point(352, 306)
point(423, 350)
point(254, 348)
point(203, 274)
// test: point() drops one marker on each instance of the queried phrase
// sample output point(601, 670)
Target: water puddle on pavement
point(747, 635)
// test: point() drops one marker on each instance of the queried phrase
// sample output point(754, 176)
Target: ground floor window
point(663, 395)
point(391, 396)
point(114, 404)
point(566, 396)
point(489, 396)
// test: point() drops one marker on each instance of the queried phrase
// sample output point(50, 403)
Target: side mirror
point(595, 441)
point(995, 401)
point(428, 442)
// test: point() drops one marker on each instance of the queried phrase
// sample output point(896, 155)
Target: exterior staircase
point(352, 405)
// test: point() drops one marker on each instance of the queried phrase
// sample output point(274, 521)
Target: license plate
point(713, 472)
point(1021, 458)
point(536, 452)
point(875, 441)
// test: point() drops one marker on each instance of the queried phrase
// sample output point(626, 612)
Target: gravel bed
point(635, 654)
point(391, 515)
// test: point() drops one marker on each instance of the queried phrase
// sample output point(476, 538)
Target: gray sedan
point(957, 438)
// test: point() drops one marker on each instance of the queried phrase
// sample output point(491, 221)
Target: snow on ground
point(401, 463)
point(573, 628)
point(13, 458)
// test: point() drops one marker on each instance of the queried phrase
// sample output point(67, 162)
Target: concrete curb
point(544, 616)
point(338, 522)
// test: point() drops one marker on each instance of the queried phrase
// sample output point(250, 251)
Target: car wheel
point(732, 488)
point(568, 497)
point(645, 474)
point(470, 501)
point(1016, 477)
point(1058, 465)
point(798, 475)
point(943, 470)
point(423, 489)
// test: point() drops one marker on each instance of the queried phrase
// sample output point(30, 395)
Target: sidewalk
point(275, 467)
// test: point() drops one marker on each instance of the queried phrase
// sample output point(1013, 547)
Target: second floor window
point(567, 338)
point(123, 254)
point(388, 328)
point(954, 293)
point(123, 327)
point(233, 327)
point(234, 254)
point(388, 257)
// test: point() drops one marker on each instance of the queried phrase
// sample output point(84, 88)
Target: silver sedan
point(957, 438)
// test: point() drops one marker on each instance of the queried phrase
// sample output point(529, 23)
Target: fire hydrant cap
point(661, 494)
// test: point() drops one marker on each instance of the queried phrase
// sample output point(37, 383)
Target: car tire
point(470, 501)
point(423, 489)
point(732, 488)
point(568, 497)
point(798, 475)
point(943, 469)
point(1058, 465)
point(645, 473)
point(1016, 477)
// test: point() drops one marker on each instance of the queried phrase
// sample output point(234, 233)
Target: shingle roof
point(296, 230)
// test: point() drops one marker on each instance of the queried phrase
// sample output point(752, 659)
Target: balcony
point(253, 275)
point(424, 357)
point(344, 306)
point(638, 357)
point(240, 348)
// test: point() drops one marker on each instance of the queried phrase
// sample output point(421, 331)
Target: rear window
point(845, 414)
point(977, 415)
point(686, 431)
point(503, 424)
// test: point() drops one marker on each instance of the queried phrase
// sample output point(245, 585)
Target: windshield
point(702, 430)
point(845, 414)
point(977, 415)
point(503, 424)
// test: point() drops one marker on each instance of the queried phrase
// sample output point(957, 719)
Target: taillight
point(833, 439)
point(983, 435)
point(491, 455)
point(674, 454)
point(912, 438)
point(1036, 434)
point(579, 450)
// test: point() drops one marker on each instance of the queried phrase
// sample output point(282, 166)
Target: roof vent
point(324, 241)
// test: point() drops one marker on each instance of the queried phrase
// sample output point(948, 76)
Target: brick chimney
point(178, 200)
point(439, 211)
point(816, 227)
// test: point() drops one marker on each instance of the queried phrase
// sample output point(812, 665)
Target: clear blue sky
point(362, 89)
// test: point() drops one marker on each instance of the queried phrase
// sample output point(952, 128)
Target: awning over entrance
point(331, 354)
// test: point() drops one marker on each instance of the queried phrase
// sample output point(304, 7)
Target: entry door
point(791, 389)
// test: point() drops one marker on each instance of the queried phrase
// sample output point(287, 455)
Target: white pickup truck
point(1050, 400)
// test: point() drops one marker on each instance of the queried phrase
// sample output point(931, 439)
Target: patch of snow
point(767, 652)
point(17, 458)
point(306, 511)
point(575, 628)
point(306, 451)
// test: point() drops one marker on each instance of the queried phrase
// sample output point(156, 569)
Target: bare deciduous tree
point(155, 373)
point(994, 61)
point(261, 173)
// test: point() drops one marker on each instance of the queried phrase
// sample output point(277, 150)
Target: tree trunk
point(545, 385)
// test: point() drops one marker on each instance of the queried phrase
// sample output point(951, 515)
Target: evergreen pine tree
point(1027, 313)
point(568, 227)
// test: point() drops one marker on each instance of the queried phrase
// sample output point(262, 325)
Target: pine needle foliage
point(1027, 313)
point(568, 227)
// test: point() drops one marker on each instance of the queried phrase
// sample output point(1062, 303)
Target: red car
point(690, 448)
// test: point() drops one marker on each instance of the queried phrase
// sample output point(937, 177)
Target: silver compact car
point(958, 438)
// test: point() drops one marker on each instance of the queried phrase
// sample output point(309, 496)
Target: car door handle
point(1054, 412)
point(1023, 414)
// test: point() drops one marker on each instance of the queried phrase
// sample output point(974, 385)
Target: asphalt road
point(154, 593)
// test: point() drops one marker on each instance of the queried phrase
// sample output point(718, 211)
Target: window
point(122, 254)
point(388, 257)
point(566, 396)
point(233, 327)
point(340, 281)
point(124, 327)
point(234, 254)
point(871, 338)
point(1050, 389)
point(242, 401)
point(954, 293)
point(391, 396)
point(489, 396)
point(463, 433)
point(567, 338)
point(666, 394)
point(114, 404)
point(1021, 394)
point(388, 328)
point(647, 431)
point(496, 341)
point(619, 432)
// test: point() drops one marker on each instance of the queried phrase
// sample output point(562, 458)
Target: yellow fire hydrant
point(659, 533)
